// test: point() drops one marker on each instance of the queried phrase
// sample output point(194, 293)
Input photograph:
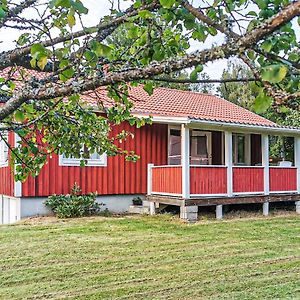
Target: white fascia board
point(244, 127)
point(164, 119)
point(222, 126)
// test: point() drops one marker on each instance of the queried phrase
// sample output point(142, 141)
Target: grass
point(151, 258)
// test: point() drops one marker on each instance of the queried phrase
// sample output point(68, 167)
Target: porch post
point(265, 162)
point(185, 161)
point(297, 160)
point(228, 161)
point(149, 179)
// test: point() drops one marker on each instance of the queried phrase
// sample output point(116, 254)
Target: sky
point(100, 8)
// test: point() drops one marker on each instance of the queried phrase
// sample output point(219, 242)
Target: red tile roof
point(168, 102)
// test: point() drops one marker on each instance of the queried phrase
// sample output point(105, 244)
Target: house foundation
point(189, 207)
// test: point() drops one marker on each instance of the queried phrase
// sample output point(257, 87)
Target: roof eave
point(230, 126)
point(238, 127)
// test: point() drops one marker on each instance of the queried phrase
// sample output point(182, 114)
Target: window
point(175, 147)
point(200, 148)
point(94, 160)
point(240, 149)
point(4, 150)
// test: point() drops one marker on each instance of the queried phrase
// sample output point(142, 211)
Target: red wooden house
point(200, 150)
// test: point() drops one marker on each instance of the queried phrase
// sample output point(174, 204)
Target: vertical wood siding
point(248, 179)
point(283, 179)
point(119, 177)
point(6, 174)
point(167, 180)
point(208, 180)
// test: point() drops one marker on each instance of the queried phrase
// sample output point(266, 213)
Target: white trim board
point(223, 126)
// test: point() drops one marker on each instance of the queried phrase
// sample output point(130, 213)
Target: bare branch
point(18, 56)
point(16, 11)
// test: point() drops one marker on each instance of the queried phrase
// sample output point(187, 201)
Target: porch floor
point(209, 201)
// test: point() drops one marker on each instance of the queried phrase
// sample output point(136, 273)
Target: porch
point(240, 171)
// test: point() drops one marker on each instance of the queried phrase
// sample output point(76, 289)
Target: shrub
point(74, 205)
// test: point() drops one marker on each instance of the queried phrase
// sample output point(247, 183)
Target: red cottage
point(201, 150)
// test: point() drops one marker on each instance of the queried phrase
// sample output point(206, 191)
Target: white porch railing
point(212, 181)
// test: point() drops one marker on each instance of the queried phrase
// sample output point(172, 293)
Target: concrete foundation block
point(219, 212)
point(137, 209)
point(152, 209)
point(146, 203)
point(266, 208)
point(189, 213)
point(297, 204)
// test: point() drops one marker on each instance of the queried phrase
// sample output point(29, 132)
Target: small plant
point(74, 205)
point(137, 201)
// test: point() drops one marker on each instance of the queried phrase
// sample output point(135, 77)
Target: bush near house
point(74, 205)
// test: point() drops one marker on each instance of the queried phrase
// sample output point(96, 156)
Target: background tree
point(45, 108)
point(204, 86)
point(245, 93)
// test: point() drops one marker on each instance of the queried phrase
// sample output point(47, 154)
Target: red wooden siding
point(208, 180)
point(283, 179)
point(119, 177)
point(167, 180)
point(248, 179)
point(6, 175)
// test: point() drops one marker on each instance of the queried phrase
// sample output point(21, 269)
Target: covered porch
point(218, 165)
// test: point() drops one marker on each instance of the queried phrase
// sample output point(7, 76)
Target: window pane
point(175, 147)
point(95, 156)
point(241, 149)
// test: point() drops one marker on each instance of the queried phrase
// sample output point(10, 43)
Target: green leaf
point(42, 62)
point(101, 49)
point(2, 13)
point(262, 4)
point(267, 46)
point(79, 7)
point(274, 73)
point(71, 20)
point(19, 116)
point(62, 3)
point(194, 74)
point(148, 87)
point(145, 14)
point(36, 48)
point(167, 3)
point(262, 102)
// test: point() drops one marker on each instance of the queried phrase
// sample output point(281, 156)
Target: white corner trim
point(75, 162)
point(4, 149)
point(18, 184)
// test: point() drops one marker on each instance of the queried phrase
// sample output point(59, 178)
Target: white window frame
point(75, 162)
point(4, 150)
point(247, 149)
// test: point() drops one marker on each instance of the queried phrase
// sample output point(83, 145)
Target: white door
point(200, 148)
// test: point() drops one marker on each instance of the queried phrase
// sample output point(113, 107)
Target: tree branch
point(224, 51)
point(179, 80)
point(16, 11)
point(19, 56)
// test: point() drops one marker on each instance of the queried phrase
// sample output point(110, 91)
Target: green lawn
point(151, 258)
